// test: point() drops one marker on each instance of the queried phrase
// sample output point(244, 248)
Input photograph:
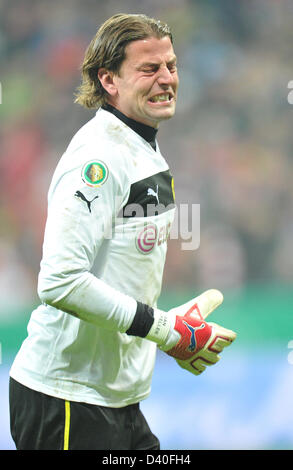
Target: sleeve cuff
point(142, 321)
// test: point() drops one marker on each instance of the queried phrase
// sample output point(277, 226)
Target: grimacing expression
point(145, 89)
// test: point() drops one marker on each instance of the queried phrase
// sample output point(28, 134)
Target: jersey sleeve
point(83, 204)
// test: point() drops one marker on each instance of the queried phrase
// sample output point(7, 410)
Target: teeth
point(157, 98)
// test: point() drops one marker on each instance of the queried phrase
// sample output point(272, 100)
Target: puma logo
point(82, 196)
point(151, 192)
point(192, 344)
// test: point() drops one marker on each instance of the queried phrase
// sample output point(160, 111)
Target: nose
point(165, 76)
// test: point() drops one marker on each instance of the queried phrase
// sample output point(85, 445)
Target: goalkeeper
point(88, 359)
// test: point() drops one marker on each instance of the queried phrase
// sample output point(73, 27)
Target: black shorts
point(43, 422)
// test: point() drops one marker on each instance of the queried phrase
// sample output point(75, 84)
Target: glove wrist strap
point(160, 328)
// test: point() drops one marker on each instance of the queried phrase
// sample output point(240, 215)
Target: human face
point(146, 86)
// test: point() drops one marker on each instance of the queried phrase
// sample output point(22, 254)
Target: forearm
point(88, 298)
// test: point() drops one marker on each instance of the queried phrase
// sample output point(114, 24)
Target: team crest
point(94, 173)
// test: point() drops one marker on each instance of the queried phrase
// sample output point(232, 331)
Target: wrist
point(142, 321)
point(160, 328)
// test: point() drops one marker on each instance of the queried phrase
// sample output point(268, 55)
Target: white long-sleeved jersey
point(110, 210)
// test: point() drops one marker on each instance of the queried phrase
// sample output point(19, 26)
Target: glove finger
point(207, 356)
point(209, 301)
point(195, 369)
point(202, 305)
point(223, 332)
point(201, 360)
point(222, 337)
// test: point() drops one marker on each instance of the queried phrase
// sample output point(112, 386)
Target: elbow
point(49, 291)
point(55, 290)
point(47, 296)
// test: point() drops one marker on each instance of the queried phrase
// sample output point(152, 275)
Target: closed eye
point(172, 67)
point(152, 69)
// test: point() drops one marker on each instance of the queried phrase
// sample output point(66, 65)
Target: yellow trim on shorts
point(66, 425)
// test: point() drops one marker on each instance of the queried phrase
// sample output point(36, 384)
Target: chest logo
point(153, 193)
point(150, 236)
point(146, 239)
point(94, 173)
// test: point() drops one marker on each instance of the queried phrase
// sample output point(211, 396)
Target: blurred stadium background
point(229, 149)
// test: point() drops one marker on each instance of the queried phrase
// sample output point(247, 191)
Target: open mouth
point(161, 98)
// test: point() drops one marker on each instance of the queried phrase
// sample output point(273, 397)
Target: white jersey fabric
point(102, 253)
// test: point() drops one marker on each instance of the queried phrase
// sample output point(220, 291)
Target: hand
point(186, 336)
point(207, 356)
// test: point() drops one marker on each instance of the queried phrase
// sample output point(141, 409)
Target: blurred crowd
point(229, 146)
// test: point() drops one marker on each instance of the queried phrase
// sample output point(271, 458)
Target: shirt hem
point(76, 397)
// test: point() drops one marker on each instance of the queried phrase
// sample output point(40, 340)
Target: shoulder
point(103, 138)
point(96, 156)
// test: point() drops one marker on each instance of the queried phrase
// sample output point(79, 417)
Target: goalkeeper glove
point(183, 333)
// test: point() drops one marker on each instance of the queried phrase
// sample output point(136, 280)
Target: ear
point(106, 78)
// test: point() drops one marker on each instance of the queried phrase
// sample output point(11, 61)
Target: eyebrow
point(156, 64)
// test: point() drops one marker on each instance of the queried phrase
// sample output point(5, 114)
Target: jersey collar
point(146, 132)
